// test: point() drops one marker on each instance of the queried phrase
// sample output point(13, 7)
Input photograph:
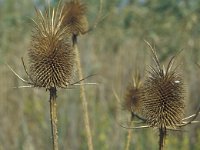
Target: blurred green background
point(114, 50)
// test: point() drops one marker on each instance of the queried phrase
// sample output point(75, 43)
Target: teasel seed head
point(75, 18)
point(132, 102)
point(163, 96)
point(51, 56)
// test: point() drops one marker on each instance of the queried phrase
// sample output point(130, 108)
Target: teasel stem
point(129, 135)
point(82, 95)
point(162, 132)
point(53, 116)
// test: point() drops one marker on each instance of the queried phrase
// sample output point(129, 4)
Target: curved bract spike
point(155, 57)
point(171, 62)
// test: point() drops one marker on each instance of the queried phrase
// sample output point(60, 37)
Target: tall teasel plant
point(51, 59)
point(54, 55)
point(132, 102)
point(75, 19)
point(162, 100)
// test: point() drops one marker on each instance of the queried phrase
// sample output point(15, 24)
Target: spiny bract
point(51, 55)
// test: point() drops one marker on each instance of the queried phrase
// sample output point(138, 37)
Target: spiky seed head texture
point(163, 96)
point(51, 55)
point(74, 17)
point(132, 97)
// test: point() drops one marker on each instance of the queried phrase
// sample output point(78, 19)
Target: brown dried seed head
point(132, 97)
point(163, 103)
point(51, 56)
point(74, 17)
point(163, 95)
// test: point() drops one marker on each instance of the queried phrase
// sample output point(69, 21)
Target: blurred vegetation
point(114, 50)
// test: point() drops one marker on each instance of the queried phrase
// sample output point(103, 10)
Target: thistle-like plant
point(162, 99)
point(54, 53)
point(132, 102)
point(74, 17)
point(76, 20)
point(51, 58)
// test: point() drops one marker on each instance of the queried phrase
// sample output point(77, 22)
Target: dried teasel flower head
point(74, 17)
point(163, 95)
point(51, 55)
point(132, 97)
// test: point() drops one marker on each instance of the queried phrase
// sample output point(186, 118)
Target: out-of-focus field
point(113, 51)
